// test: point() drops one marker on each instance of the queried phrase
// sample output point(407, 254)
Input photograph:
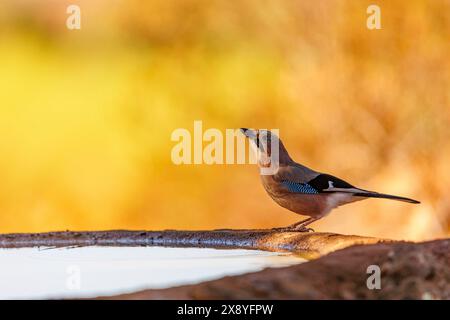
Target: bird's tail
point(370, 194)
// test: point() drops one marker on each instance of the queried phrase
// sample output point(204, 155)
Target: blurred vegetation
point(86, 115)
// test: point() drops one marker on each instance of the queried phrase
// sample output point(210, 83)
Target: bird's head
point(263, 142)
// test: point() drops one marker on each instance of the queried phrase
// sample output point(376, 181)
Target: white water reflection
point(92, 271)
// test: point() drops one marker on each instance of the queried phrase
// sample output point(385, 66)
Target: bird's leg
point(292, 226)
point(301, 226)
point(298, 226)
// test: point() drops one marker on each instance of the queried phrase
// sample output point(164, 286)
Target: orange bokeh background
point(86, 115)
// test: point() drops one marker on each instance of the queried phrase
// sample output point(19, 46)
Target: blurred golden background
point(86, 115)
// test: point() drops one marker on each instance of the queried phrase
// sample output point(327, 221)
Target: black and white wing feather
point(325, 183)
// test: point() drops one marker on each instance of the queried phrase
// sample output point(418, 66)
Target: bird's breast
point(313, 205)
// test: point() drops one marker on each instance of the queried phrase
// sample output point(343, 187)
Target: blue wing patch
point(299, 187)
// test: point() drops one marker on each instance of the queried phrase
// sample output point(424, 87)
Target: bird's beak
point(249, 133)
point(253, 136)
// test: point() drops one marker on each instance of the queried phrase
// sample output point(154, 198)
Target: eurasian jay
point(301, 189)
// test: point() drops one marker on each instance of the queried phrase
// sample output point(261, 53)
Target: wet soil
point(310, 244)
point(339, 271)
point(408, 271)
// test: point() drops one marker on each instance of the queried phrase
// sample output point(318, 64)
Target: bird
point(300, 189)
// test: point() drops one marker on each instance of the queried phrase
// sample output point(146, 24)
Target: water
point(93, 271)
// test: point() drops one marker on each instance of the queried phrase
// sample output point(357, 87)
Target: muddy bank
point(307, 244)
point(408, 271)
